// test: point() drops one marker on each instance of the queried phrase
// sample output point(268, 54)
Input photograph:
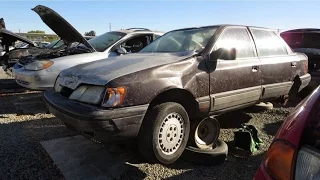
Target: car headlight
point(38, 65)
point(113, 97)
point(88, 94)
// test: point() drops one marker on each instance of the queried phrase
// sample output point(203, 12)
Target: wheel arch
point(178, 95)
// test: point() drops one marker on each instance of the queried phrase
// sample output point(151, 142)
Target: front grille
point(23, 82)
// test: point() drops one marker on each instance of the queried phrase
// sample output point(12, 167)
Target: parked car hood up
point(103, 71)
point(60, 26)
point(8, 38)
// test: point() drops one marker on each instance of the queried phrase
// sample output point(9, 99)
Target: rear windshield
point(182, 40)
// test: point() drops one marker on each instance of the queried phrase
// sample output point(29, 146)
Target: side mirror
point(223, 53)
point(122, 50)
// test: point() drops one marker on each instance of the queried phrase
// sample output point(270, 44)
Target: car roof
point(223, 26)
point(137, 30)
point(303, 30)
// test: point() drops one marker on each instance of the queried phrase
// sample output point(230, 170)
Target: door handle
point(293, 64)
point(255, 68)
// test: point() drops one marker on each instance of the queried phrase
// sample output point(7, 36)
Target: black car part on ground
point(247, 138)
point(213, 156)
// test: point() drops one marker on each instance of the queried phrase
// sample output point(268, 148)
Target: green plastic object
point(246, 138)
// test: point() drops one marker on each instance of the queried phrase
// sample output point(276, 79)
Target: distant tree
point(36, 31)
point(90, 33)
point(2, 24)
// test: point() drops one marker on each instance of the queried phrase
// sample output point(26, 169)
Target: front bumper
point(94, 122)
point(36, 80)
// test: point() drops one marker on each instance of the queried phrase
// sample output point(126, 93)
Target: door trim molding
point(235, 98)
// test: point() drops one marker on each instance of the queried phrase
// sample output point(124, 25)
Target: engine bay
point(24, 56)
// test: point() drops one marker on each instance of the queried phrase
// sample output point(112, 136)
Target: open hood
point(8, 37)
point(60, 26)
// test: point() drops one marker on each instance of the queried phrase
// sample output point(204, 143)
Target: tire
point(164, 133)
point(213, 156)
point(204, 133)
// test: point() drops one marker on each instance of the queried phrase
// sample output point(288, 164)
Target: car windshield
point(102, 42)
point(182, 40)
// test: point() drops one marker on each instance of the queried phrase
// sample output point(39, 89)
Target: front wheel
point(164, 133)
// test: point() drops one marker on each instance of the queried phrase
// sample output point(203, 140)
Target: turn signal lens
point(279, 160)
point(46, 65)
point(114, 97)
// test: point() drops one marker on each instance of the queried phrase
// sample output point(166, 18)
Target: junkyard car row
point(166, 89)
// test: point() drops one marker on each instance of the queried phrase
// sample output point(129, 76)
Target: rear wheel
point(164, 133)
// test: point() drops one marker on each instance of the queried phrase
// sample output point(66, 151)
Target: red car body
point(290, 134)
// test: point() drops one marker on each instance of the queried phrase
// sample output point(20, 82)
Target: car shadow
point(233, 119)
point(27, 103)
point(272, 128)
point(243, 168)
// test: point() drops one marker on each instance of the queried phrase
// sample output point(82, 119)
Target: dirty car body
point(40, 68)
point(206, 70)
point(295, 150)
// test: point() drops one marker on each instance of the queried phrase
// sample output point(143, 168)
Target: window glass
point(268, 43)
point(102, 42)
point(137, 43)
point(237, 38)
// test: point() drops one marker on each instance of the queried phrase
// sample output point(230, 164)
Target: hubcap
point(171, 133)
point(205, 133)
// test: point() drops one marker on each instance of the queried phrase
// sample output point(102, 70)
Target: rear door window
point(268, 43)
point(238, 38)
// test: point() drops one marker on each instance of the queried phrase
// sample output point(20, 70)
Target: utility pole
point(109, 26)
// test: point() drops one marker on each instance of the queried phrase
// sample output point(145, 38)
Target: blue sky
point(164, 16)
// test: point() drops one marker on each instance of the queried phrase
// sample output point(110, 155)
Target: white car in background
point(40, 70)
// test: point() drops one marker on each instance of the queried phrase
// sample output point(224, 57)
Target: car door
point(235, 83)
point(276, 65)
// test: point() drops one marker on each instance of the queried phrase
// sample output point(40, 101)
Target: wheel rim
point(171, 133)
point(205, 134)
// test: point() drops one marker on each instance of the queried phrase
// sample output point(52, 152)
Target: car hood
point(60, 26)
point(8, 37)
point(103, 71)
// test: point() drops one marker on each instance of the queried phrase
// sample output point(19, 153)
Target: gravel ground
point(24, 123)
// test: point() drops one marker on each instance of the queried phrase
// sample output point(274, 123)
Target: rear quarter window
point(268, 43)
